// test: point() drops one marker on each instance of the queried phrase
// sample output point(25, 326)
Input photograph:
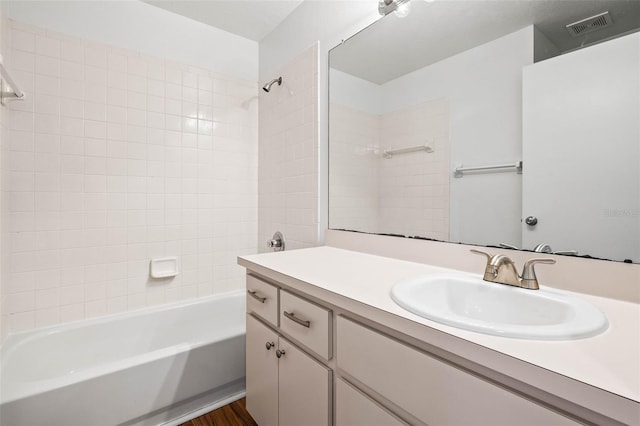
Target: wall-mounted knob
point(269, 345)
point(531, 220)
point(276, 242)
point(279, 353)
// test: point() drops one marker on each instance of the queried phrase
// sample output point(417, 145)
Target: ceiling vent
point(589, 25)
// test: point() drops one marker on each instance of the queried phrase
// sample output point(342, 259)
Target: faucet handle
point(489, 257)
point(509, 246)
point(568, 252)
point(489, 271)
point(529, 279)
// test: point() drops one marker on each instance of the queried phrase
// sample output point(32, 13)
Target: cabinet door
point(262, 373)
point(304, 389)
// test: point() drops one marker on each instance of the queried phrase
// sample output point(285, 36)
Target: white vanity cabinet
point(285, 385)
point(433, 391)
point(341, 365)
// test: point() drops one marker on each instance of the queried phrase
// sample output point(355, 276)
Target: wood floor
point(234, 414)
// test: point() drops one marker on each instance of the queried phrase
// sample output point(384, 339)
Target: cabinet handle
point(255, 296)
point(293, 318)
point(269, 345)
point(279, 353)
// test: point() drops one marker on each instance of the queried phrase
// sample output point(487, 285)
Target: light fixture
point(401, 7)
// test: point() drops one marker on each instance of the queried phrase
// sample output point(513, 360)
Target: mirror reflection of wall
point(467, 106)
point(391, 173)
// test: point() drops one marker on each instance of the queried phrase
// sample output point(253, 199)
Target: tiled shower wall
point(407, 194)
point(414, 187)
point(113, 159)
point(288, 174)
point(354, 169)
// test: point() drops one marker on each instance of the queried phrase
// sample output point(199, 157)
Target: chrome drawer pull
point(255, 296)
point(293, 318)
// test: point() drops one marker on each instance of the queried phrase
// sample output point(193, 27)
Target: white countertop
point(609, 361)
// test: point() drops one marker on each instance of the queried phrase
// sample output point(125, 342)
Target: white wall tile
point(21, 321)
point(72, 50)
point(95, 143)
point(95, 92)
point(116, 80)
point(47, 46)
point(95, 111)
point(95, 55)
point(47, 317)
point(285, 171)
point(47, 66)
point(22, 40)
point(116, 62)
point(72, 312)
point(49, 298)
point(112, 161)
point(137, 83)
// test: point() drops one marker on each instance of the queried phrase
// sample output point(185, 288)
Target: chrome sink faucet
point(501, 269)
point(543, 248)
point(546, 248)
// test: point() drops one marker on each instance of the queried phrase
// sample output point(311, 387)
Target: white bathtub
point(157, 366)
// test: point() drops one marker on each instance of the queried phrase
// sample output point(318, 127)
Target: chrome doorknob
point(531, 221)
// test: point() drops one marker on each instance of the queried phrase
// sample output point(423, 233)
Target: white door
point(581, 138)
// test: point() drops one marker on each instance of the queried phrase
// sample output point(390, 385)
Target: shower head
point(267, 87)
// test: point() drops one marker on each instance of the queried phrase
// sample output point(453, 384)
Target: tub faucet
point(501, 269)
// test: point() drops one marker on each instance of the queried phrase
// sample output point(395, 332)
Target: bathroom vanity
point(327, 345)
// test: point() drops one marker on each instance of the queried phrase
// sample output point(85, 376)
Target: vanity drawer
point(306, 322)
point(431, 390)
point(353, 408)
point(262, 299)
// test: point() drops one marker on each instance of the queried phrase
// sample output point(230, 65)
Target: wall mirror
point(512, 123)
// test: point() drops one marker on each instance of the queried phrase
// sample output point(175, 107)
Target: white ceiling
point(252, 19)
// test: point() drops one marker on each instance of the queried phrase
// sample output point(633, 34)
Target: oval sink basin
point(468, 302)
